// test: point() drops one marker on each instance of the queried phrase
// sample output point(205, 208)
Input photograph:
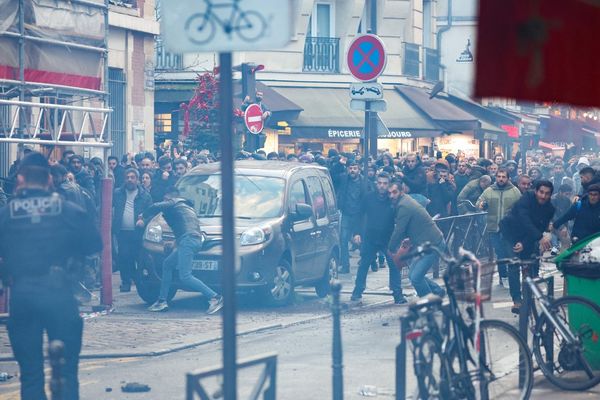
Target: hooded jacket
point(499, 201)
point(178, 214)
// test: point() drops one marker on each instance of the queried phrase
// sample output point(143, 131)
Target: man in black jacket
point(413, 174)
point(523, 228)
point(129, 201)
point(585, 213)
point(378, 224)
point(351, 191)
point(181, 217)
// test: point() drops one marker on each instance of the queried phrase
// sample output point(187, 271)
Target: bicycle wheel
point(570, 366)
point(427, 365)
point(506, 370)
point(250, 25)
point(200, 28)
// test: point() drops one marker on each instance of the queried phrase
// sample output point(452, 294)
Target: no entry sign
point(253, 117)
point(366, 57)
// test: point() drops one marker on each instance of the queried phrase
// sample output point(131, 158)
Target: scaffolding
point(54, 89)
point(53, 76)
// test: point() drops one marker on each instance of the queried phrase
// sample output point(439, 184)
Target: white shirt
point(128, 223)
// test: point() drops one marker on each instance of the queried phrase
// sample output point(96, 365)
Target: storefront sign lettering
point(346, 133)
point(397, 135)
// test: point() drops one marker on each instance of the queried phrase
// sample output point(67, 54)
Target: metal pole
point(21, 73)
point(337, 364)
point(373, 114)
point(523, 323)
point(401, 361)
point(228, 258)
point(367, 132)
point(106, 297)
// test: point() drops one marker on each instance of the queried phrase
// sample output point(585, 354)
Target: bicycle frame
point(544, 303)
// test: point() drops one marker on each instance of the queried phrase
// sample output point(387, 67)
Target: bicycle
point(562, 338)
point(201, 27)
point(450, 354)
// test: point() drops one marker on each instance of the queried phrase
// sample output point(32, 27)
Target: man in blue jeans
point(181, 217)
point(413, 222)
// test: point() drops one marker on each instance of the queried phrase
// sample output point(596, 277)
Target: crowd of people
point(379, 202)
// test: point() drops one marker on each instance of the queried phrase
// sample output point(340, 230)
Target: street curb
point(168, 350)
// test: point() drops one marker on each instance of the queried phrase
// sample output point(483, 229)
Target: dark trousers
point(368, 254)
point(128, 243)
point(38, 305)
point(514, 272)
point(348, 225)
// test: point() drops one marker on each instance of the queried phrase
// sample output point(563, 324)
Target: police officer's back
point(40, 233)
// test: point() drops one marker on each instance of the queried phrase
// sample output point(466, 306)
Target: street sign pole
point(367, 135)
point(228, 256)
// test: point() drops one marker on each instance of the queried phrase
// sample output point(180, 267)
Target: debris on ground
point(135, 387)
point(368, 391)
point(4, 376)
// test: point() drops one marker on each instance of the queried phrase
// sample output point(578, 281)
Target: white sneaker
point(160, 305)
point(215, 304)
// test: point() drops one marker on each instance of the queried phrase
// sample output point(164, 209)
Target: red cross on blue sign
point(366, 57)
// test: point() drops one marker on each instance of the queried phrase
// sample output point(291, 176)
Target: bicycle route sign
point(225, 25)
point(366, 57)
point(253, 117)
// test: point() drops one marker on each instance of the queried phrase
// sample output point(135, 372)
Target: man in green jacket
point(413, 222)
point(471, 193)
point(497, 200)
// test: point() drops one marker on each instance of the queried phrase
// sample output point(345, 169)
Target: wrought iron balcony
point(166, 61)
point(322, 54)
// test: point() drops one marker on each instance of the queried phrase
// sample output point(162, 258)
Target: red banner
point(539, 50)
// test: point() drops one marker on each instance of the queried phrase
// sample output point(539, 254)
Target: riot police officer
point(40, 236)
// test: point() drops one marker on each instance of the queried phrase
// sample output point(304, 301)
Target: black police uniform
point(39, 233)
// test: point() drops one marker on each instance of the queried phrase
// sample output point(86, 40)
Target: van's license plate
point(205, 265)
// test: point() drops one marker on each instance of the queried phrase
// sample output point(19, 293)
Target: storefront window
point(163, 123)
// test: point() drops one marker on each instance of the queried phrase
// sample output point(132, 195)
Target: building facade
point(311, 73)
point(131, 55)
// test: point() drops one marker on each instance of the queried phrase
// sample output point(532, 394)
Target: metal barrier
point(268, 377)
point(467, 231)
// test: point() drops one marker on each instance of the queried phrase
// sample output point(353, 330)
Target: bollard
point(401, 361)
point(337, 365)
point(55, 352)
point(106, 297)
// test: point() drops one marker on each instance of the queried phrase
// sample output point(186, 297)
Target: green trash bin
point(584, 282)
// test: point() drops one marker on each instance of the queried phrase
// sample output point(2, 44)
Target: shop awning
point(443, 113)
point(564, 130)
point(326, 113)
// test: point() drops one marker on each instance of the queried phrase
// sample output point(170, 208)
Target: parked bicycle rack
point(268, 377)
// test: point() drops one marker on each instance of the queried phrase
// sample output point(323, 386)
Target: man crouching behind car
point(181, 217)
